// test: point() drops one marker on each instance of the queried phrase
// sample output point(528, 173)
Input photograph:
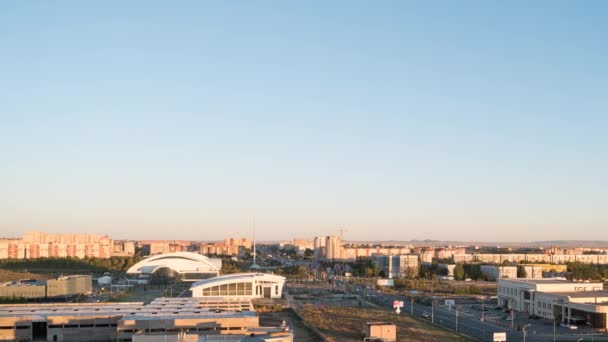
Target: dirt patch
point(348, 324)
point(8, 275)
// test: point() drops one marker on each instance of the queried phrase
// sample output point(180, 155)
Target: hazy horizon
point(472, 121)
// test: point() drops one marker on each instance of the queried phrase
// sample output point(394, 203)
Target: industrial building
point(122, 321)
point(240, 285)
point(61, 287)
point(562, 300)
point(185, 265)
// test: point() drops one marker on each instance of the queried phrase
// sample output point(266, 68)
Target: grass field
point(347, 324)
point(9, 275)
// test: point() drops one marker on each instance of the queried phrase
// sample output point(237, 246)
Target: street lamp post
point(512, 318)
point(553, 324)
point(524, 330)
point(457, 318)
point(412, 305)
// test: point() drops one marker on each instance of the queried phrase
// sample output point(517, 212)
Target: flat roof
point(548, 281)
point(582, 294)
point(17, 283)
point(160, 307)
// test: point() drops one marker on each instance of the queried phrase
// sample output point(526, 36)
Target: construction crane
point(342, 231)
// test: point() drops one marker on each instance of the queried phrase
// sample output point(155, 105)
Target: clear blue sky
point(479, 120)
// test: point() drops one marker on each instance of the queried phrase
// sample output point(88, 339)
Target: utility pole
point(482, 311)
point(433, 312)
point(412, 305)
point(456, 318)
point(524, 331)
point(553, 324)
point(254, 253)
point(512, 318)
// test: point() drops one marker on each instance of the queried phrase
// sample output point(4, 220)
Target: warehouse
point(121, 321)
point(61, 287)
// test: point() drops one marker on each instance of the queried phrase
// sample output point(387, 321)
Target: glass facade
point(233, 289)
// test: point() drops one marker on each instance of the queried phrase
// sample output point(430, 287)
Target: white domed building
point(187, 266)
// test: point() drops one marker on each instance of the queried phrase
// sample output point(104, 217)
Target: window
point(215, 291)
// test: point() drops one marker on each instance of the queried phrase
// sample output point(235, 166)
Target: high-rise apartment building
point(333, 246)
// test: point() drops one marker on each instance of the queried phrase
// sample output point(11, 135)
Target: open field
point(342, 316)
point(10, 275)
point(342, 324)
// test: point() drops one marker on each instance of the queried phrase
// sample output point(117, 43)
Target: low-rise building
point(84, 322)
point(61, 287)
point(240, 285)
point(566, 301)
point(381, 331)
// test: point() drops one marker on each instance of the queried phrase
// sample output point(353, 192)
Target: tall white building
point(333, 248)
point(319, 247)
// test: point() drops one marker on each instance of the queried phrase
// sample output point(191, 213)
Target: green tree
point(228, 266)
point(308, 253)
point(459, 272)
point(521, 272)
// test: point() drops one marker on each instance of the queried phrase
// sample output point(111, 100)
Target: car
point(572, 327)
point(426, 315)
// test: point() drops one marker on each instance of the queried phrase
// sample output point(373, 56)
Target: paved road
point(469, 322)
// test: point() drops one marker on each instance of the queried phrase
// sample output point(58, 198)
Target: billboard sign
point(397, 304)
point(385, 282)
point(500, 337)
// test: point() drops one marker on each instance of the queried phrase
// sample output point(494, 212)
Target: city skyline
point(469, 122)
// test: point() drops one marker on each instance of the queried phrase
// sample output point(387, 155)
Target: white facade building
point(240, 285)
point(569, 302)
point(188, 266)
